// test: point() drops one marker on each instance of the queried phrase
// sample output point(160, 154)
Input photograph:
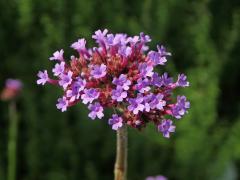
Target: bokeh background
point(204, 38)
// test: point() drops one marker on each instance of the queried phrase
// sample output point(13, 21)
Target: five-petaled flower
point(119, 74)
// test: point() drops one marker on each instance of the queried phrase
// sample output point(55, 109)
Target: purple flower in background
point(62, 104)
point(180, 108)
point(89, 95)
point(99, 71)
point(122, 81)
point(118, 94)
point(43, 77)
point(166, 127)
point(156, 178)
point(65, 79)
point(11, 90)
point(14, 84)
point(58, 69)
point(96, 111)
point(80, 45)
point(182, 81)
point(116, 122)
point(136, 104)
point(145, 70)
point(143, 85)
point(58, 55)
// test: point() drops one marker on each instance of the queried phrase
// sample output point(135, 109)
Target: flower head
point(119, 73)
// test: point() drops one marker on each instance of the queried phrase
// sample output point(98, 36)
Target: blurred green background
point(204, 38)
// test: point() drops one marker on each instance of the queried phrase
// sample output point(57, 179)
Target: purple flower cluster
point(159, 177)
point(119, 74)
point(11, 90)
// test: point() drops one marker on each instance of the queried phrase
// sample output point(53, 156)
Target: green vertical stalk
point(120, 170)
point(12, 140)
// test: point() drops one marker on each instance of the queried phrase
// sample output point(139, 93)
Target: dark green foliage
point(204, 37)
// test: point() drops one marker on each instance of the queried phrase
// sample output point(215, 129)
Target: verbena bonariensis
point(11, 90)
point(119, 74)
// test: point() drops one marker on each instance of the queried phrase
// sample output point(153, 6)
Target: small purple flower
point(166, 80)
point(58, 69)
point(99, 71)
point(157, 102)
point(14, 84)
point(182, 81)
point(58, 55)
point(89, 95)
point(43, 77)
point(80, 45)
point(122, 81)
point(145, 70)
point(166, 127)
point(118, 94)
point(62, 104)
point(147, 100)
point(180, 108)
point(119, 39)
point(116, 122)
point(162, 51)
point(144, 39)
point(136, 104)
point(156, 80)
point(96, 111)
point(143, 85)
point(160, 56)
point(76, 88)
point(125, 51)
point(133, 40)
point(65, 79)
point(99, 36)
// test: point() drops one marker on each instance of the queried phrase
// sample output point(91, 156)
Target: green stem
point(12, 141)
point(120, 170)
